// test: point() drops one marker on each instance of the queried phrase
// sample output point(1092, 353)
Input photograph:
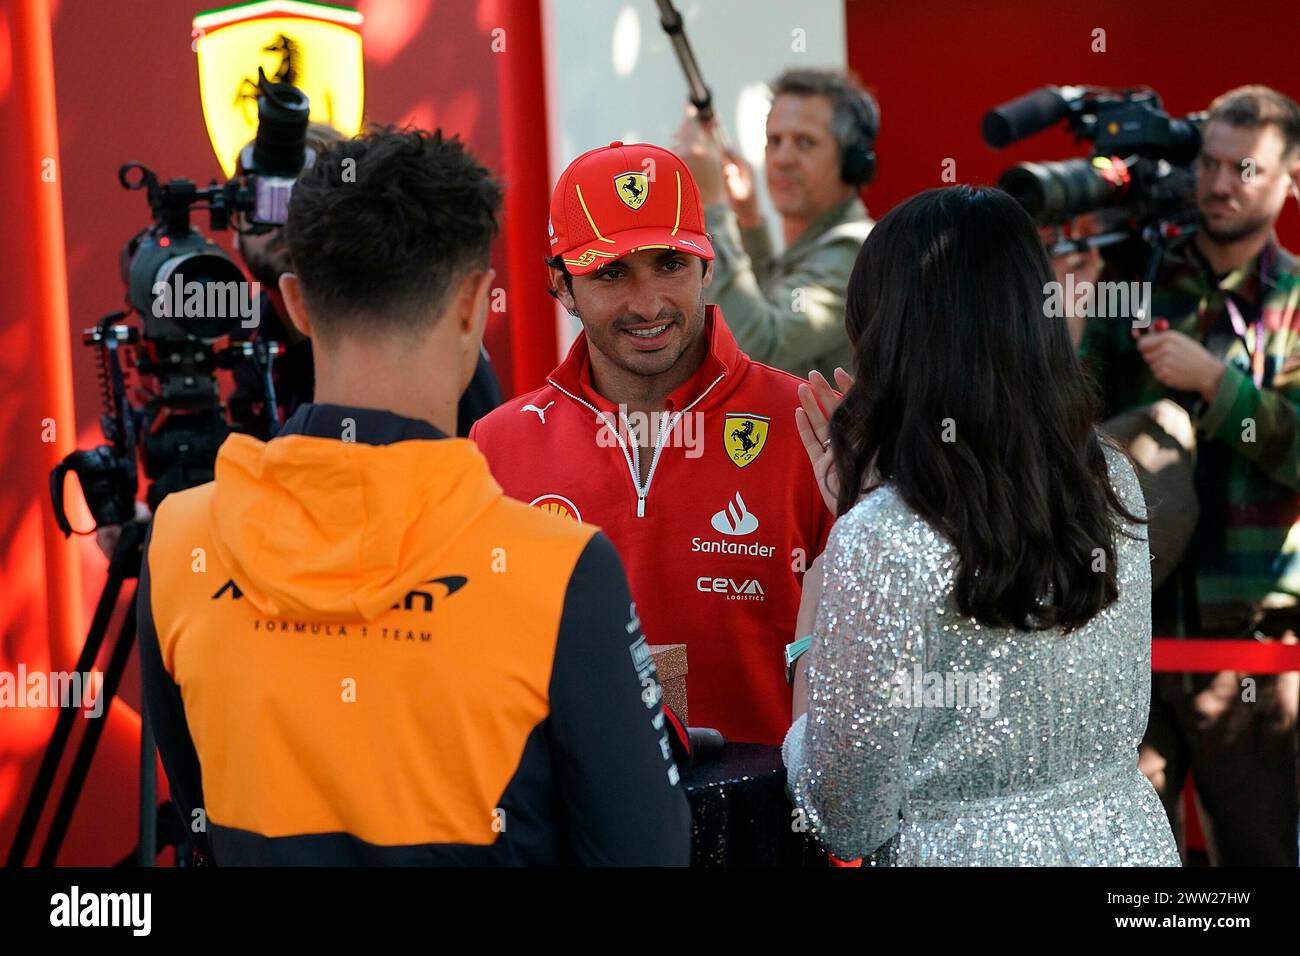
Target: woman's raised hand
point(818, 402)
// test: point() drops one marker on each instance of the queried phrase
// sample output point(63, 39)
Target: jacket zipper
point(633, 458)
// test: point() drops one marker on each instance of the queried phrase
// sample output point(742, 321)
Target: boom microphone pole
point(701, 96)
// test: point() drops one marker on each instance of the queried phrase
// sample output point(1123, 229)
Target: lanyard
point(1253, 337)
point(1254, 342)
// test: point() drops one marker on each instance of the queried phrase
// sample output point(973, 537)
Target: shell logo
point(557, 505)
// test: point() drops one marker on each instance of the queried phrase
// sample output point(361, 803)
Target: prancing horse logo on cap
point(633, 188)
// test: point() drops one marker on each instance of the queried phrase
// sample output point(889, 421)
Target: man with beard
point(1225, 345)
point(660, 430)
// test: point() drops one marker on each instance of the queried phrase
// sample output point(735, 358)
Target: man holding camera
point(1223, 341)
point(265, 254)
point(355, 649)
point(787, 310)
point(266, 258)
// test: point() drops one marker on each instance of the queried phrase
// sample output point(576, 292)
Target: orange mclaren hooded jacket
point(356, 650)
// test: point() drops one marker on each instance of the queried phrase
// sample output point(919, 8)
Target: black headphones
point(858, 158)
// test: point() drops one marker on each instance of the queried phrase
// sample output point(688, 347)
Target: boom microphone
point(1028, 114)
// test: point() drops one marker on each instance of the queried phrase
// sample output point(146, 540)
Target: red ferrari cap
point(621, 198)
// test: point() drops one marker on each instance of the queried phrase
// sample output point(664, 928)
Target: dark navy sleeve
point(623, 800)
point(481, 395)
point(166, 715)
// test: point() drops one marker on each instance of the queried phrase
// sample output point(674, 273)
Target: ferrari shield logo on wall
point(633, 188)
point(315, 47)
point(744, 437)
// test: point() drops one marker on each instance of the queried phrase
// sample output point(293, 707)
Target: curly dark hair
point(971, 401)
point(383, 226)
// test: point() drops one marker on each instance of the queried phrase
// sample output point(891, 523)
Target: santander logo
point(735, 519)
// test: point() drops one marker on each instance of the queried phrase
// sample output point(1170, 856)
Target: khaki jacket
point(788, 310)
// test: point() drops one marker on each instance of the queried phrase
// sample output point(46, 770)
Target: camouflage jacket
point(788, 310)
point(1246, 548)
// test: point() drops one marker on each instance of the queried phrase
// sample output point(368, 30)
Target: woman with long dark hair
point(979, 675)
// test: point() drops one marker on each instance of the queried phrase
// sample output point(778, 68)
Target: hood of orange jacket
point(335, 530)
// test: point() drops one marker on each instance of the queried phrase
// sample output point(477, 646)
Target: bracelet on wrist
point(793, 652)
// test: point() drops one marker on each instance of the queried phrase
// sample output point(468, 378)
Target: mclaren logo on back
point(417, 600)
point(633, 188)
point(452, 582)
point(231, 587)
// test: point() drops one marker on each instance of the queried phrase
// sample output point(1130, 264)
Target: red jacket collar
point(724, 357)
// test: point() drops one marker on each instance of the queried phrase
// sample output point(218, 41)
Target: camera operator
point(787, 310)
point(266, 256)
point(1224, 343)
point(383, 660)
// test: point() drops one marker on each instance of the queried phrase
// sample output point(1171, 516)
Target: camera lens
point(201, 294)
point(1055, 192)
point(282, 116)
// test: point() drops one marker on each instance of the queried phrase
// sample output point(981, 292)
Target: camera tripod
point(156, 820)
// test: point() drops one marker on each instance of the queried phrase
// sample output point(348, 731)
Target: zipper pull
point(640, 506)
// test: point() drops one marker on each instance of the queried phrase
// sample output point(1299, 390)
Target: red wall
point(938, 65)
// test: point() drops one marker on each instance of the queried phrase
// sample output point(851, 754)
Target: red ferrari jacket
point(715, 542)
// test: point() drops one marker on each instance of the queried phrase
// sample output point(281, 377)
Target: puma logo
point(541, 412)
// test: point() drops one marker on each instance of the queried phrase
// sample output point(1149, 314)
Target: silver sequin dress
point(933, 741)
